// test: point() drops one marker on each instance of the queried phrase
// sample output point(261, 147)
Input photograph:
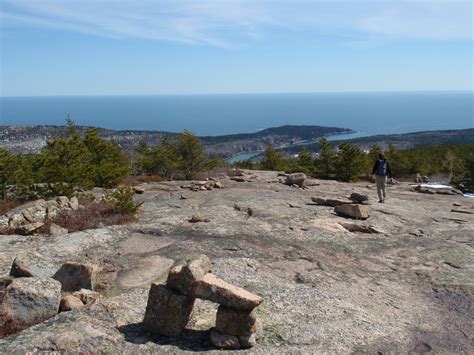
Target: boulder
point(70, 303)
point(16, 220)
point(55, 230)
point(235, 322)
point(28, 301)
point(32, 264)
point(29, 228)
point(216, 290)
point(359, 198)
point(295, 179)
point(74, 203)
point(75, 276)
point(3, 222)
point(352, 211)
point(4, 282)
point(52, 209)
point(36, 212)
point(224, 341)
point(330, 202)
point(167, 312)
point(63, 201)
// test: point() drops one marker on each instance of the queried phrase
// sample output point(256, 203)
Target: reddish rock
point(216, 290)
point(28, 301)
point(235, 322)
point(353, 211)
point(167, 312)
point(75, 276)
point(70, 303)
point(224, 341)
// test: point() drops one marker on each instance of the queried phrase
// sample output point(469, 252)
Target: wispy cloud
point(223, 23)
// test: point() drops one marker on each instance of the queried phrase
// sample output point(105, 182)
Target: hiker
point(382, 170)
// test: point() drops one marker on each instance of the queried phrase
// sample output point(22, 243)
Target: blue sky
point(107, 47)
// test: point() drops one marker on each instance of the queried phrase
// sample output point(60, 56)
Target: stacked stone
point(170, 306)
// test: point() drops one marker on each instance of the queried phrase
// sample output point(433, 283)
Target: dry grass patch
point(91, 215)
point(7, 205)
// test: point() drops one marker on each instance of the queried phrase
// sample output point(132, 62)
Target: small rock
point(224, 341)
point(74, 203)
point(295, 179)
point(30, 228)
point(294, 206)
point(183, 197)
point(330, 202)
point(55, 230)
point(352, 211)
point(457, 204)
point(87, 297)
point(75, 276)
point(139, 190)
point(28, 301)
point(359, 198)
point(238, 179)
point(218, 185)
point(167, 312)
point(70, 303)
point(198, 218)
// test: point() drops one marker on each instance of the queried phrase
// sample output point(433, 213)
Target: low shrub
point(121, 200)
point(92, 215)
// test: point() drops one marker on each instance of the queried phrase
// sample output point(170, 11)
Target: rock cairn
point(170, 306)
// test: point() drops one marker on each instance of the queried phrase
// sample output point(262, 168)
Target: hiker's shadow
point(190, 339)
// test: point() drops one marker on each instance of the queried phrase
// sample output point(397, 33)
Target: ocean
point(366, 113)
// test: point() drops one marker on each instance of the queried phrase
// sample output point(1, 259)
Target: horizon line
point(250, 93)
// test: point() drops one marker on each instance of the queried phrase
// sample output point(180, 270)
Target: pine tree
point(350, 162)
point(325, 162)
point(190, 154)
point(272, 160)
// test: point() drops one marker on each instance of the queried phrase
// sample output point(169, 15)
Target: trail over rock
point(399, 282)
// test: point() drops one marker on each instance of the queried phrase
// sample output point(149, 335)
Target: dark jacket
point(376, 167)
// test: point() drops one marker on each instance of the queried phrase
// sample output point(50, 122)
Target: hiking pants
point(381, 187)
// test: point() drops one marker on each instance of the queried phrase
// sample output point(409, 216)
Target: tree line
point(349, 163)
point(75, 161)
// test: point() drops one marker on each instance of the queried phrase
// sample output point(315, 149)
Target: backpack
point(382, 168)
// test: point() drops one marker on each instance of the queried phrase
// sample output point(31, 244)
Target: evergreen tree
point(350, 162)
point(272, 160)
point(190, 154)
point(107, 162)
point(325, 162)
point(305, 161)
